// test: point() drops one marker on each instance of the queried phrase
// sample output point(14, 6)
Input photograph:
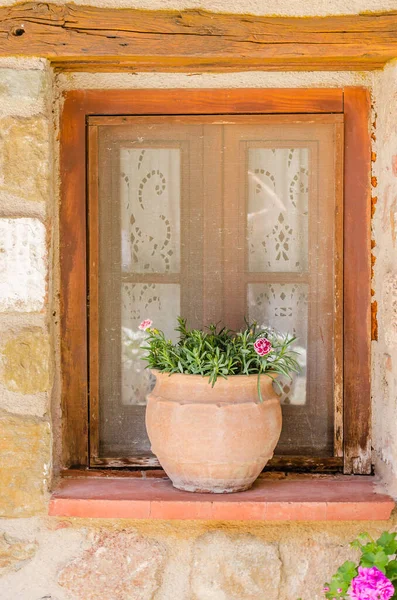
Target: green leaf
point(391, 570)
point(347, 567)
point(364, 536)
point(371, 547)
point(388, 542)
point(337, 583)
point(378, 559)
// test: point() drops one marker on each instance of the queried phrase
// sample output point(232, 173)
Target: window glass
point(216, 219)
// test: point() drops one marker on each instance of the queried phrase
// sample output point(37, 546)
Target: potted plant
point(213, 417)
point(374, 576)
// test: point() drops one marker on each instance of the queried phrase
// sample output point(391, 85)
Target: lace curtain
point(277, 242)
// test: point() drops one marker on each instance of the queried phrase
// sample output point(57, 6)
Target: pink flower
point(145, 324)
point(262, 346)
point(371, 584)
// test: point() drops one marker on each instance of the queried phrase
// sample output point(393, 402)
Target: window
point(220, 206)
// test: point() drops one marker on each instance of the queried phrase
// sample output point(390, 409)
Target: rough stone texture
point(21, 84)
point(34, 405)
point(309, 563)
point(14, 553)
point(26, 362)
point(24, 157)
point(175, 561)
point(121, 566)
point(56, 544)
point(234, 568)
point(22, 265)
point(22, 92)
point(24, 465)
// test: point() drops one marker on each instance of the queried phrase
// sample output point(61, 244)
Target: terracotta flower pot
point(212, 439)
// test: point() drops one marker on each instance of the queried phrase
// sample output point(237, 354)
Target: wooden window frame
point(354, 104)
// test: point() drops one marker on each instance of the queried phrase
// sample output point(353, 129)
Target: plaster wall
point(384, 227)
point(60, 559)
point(294, 8)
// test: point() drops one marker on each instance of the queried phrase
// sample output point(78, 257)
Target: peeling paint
point(374, 201)
point(374, 321)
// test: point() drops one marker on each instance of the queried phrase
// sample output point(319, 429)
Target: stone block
point(119, 565)
point(20, 84)
point(234, 568)
point(309, 563)
point(33, 405)
point(25, 157)
point(14, 554)
point(24, 465)
point(25, 361)
point(23, 262)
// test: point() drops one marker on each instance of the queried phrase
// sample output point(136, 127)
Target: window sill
point(291, 498)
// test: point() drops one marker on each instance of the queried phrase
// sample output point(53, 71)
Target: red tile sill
point(327, 498)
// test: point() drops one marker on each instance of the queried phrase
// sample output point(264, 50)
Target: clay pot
point(212, 439)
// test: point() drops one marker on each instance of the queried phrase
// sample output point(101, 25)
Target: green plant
point(220, 352)
point(374, 574)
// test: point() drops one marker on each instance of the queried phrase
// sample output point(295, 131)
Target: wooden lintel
point(76, 37)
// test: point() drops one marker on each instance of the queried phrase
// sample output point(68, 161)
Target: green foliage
point(340, 582)
point(219, 352)
point(380, 553)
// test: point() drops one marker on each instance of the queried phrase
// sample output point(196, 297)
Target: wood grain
point(278, 467)
point(93, 288)
point(338, 294)
point(206, 101)
point(78, 106)
point(357, 283)
point(354, 101)
point(298, 464)
point(73, 285)
point(89, 38)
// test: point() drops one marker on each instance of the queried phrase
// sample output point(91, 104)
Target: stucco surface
point(56, 559)
point(70, 81)
point(256, 7)
point(384, 364)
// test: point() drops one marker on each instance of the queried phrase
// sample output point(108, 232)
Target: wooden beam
point(88, 38)
point(357, 283)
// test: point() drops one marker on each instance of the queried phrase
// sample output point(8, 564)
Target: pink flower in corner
point(262, 346)
point(145, 324)
point(371, 584)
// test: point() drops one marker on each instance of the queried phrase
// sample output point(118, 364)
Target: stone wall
point(25, 358)
point(47, 558)
point(71, 559)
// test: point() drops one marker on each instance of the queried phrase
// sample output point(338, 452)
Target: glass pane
point(284, 307)
point(150, 210)
point(150, 176)
point(278, 209)
point(216, 220)
point(160, 303)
